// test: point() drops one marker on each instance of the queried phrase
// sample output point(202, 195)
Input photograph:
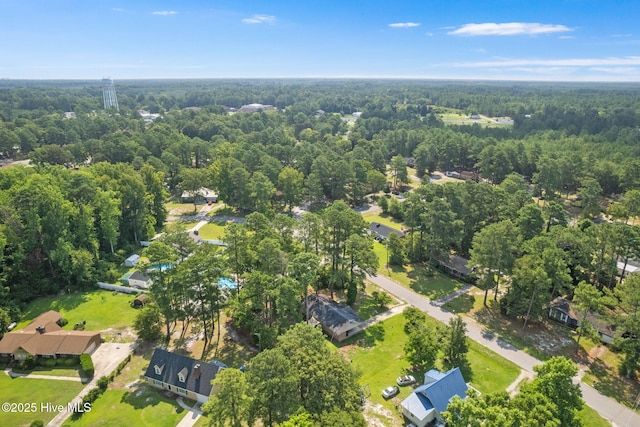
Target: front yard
point(546, 339)
point(139, 406)
point(34, 392)
point(378, 353)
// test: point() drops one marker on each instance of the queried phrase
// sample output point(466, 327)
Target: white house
point(139, 280)
point(182, 375)
point(427, 402)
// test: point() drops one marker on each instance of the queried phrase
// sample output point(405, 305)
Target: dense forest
point(98, 182)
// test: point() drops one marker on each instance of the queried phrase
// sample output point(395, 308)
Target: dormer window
point(182, 375)
point(158, 369)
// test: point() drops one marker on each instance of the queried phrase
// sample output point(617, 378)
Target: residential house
point(382, 232)
point(427, 402)
point(139, 280)
point(453, 174)
point(337, 321)
point(456, 266)
point(560, 310)
point(410, 162)
point(44, 337)
point(200, 196)
point(182, 375)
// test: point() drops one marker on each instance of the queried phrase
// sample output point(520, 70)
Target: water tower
point(109, 94)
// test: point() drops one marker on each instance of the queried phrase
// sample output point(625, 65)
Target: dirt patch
point(379, 416)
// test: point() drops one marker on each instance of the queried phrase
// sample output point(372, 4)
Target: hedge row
point(87, 365)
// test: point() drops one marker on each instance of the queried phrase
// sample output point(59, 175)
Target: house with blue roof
point(427, 403)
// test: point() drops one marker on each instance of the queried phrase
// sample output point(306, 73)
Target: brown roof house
point(337, 321)
point(44, 337)
point(182, 375)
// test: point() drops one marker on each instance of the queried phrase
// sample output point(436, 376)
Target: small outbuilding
point(140, 301)
point(132, 261)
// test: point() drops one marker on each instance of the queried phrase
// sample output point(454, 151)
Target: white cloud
point(569, 62)
point(404, 24)
point(260, 19)
point(508, 29)
point(117, 9)
point(616, 70)
point(429, 34)
point(165, 12)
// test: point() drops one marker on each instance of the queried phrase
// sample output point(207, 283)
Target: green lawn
point(56, 371)
point(28, 390)
point(213, 230)
point(378, 353)
point(141, 406)
point(590, 418)
point(101, 309)
point(383, 219)
point(423, 279)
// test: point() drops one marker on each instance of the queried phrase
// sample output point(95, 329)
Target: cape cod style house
point(182, 375)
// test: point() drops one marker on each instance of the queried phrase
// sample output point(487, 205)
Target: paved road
point(619, 415)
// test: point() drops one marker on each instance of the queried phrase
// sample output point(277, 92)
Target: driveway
point(105, 360)
point(617, 414)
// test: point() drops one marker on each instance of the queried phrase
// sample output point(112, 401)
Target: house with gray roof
point(182, 375)
point(382, 232)
point(337, 321)
point(427, 402)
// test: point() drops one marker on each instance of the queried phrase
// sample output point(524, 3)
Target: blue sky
point(563, 40)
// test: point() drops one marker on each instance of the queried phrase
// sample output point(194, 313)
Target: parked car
point(390, 391)
point(405, 380)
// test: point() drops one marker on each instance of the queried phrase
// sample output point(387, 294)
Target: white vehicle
point(405, 380)
point(390, 391)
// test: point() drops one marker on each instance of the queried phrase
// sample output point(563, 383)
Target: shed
point(132, 261)
point(140, 301)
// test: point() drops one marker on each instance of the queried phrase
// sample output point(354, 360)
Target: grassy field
point(423, 279)
point(383, 219)
point(213, 230)
point(140, 406)
point(37, 391)
point(178, 209)
point(378, 353)
point(101, 309)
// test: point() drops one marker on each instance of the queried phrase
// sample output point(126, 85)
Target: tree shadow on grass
point(366, 338)
point(462, 304)
point(611, 384)
point(62, 303)
point(145, 396)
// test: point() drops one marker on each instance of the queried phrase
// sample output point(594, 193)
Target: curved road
point(619, 415)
